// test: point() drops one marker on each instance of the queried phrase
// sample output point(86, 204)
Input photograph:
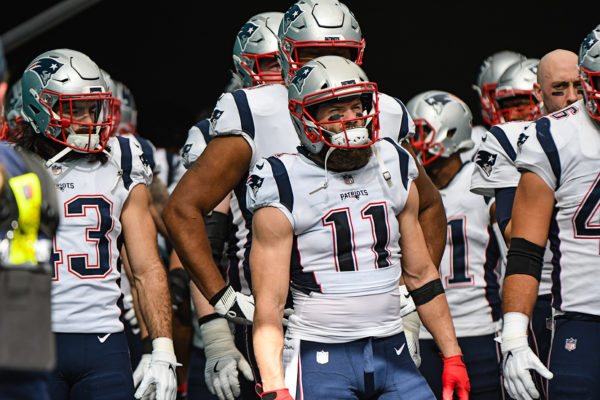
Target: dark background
point(176, 57)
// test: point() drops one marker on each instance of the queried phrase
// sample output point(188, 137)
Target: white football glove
point(159, 380)
point(235, 306)
point(411, 323)
point(223, 360)
point(130, 314)
point(286, 316)
point(141, 368)
point(518, 358)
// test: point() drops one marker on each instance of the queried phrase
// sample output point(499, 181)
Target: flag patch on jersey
point(486, 161)
point(570, 344)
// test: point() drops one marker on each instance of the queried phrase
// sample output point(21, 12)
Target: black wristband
point(215, 299)
point(524, 257)
point(427, 292)
point(207, 318)
point(147, 345)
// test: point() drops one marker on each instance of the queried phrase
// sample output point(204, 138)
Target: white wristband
point(163, 344)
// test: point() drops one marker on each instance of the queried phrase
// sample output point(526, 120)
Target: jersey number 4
point(94, 263)
point(586, 221)
point(343, 236)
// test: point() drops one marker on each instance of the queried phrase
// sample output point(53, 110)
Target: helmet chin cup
point(85, 142)
point(355, 137)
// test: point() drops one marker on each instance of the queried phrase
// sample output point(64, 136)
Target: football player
point(556, 200)
point(332, 221)
point(469, 268)
point(489, 72)
point(101, 181)
point(255, 122)
point(496, 175)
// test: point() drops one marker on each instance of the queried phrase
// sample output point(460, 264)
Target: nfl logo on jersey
point(570, 344)
point(322, 357)
point(349, 179)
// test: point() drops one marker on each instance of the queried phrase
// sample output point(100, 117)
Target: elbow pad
point(525, 257)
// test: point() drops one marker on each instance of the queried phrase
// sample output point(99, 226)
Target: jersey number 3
point(94, 263)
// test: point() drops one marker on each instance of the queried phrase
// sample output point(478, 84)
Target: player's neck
point(442, 170)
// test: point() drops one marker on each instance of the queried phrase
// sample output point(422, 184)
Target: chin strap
point(386, 173)
point(58, 156)
point(326, 184)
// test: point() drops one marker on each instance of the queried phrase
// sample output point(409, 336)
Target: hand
point(518, 358)
point(235, 306)
point(141, 368)
point(286, 316)
point(179, 286)
point(129, 314)
point(223, 360)
point(279, 394)
point(455, 376)
point(159, 379)
point(412, 324)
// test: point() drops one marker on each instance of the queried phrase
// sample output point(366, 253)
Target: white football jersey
point(85, 284)
point(345, 264)
point(261, 116)
point(563, 149)
point(469, 267)
point(496, 169)
point(477, 133)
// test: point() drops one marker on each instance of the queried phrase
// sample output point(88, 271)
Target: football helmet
point(442, 124)
point(66, 99)
point(128, 110)
point(14, 118)
point(112, 87)
point(256, 42)
point(489, 73)
point(333, 78)
point(312, 23)
point(516, 85)
point(589, 72)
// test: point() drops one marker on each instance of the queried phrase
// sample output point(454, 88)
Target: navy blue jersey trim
point(500, 136)
point(204, 127)
point(542, 127)
point(504, 205)
point(126, 161)
point(404, 124)
point(556, 256)
point(243, 107)
point(283, 182)
point(147, 151)
point(403, 158)
point(492, 285)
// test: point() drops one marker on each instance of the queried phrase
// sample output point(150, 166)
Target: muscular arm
point(418, 269)
point(531, 215)
point(432, 215)
point(210, 178)
point(270, 266)
point(148, 272)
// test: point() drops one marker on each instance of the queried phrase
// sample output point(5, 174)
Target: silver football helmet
point(14, 106)
point(331, 78)
point(127, 110)
point(317, 23)
point(489, 73)
point(514, 96)
point(66, 99)
point(442, 123)
point(254, 44)
point(589, 71)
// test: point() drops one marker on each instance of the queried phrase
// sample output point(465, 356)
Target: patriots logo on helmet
point(290, 16)
point(246, 33)
point(589, 42)
point(301, 76)
point(438, 102)
point(522, 138)
point(486, 161)
point(533, 69)
point(45, 68)
point(254, 183)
